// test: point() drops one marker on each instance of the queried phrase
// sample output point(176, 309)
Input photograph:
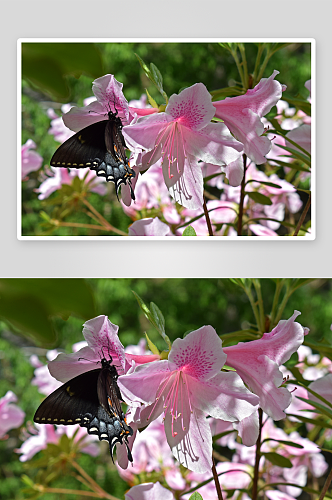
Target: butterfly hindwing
point(91, 400)
point(68, 404)
point(81, 150)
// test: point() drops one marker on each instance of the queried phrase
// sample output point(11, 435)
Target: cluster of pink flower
point(172, 152)
point(170, 399)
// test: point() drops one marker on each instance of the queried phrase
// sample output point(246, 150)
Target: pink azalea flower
point(44, 434)
point(109, 97)
point(181, 136)
point(31, 160)
point(151, 453)
point(43, 379)
point(58, 129)
point(11, 415)
point(302, 136)
point(257, 362)
point(151, 193)
point(149, 227)
point(187, 387)
point(102, 340)
point(242, 115)
point(322, 386)
point(149, 491)
point(62, 176)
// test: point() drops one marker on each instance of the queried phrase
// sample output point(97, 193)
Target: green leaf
point(47, 65)
point(155, 317)
point(322, 348)
point(151, 100)
point(29, 304)
point(288, 443)
point(259, 198)
point(296, 154)
point(323, 410)
point(189, 231)
point(306, 420)
point(196, 496)
point(277, 459)
point(151, 345)
point(238, 336)
point(271, 184)
point(294, 166)
point(157, 77)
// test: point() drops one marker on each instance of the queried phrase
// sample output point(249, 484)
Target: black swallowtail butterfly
point(91, 400)
point(101, 147)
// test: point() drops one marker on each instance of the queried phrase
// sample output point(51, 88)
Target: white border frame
point(309, 237)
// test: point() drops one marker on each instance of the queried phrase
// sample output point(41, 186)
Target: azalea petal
point(109, 93)
point(234, 171)
point(213, 144)
point(248, 429)
point(149, 227)
point(149, 491)
point(224, 397)
point(78, 118)
point(192, 107)
point(242, 115)
point(194, 450)
point(67, 366)
point(102, 336)
point(142, 385)
point(199, 354)
point(144, 133)
point(188, 190)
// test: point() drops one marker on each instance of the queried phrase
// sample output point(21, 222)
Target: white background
point(177, 19)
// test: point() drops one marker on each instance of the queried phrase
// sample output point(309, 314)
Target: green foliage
point(189, 231)
point(29, 304)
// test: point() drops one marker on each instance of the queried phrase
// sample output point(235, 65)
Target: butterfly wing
point(114, 140)
point(69, 404)
point(83, 400)
point(82, 149)
point(94, 147)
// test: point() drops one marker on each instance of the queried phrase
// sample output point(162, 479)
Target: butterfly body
point(92, 400)
point(101, 147)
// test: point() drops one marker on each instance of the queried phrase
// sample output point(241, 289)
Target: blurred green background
point(54, 74)
point(186, 304)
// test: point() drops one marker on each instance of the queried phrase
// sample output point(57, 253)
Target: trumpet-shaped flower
point(182, 136)
point(257, 362)
point(102, 338)
point(186, 388)
point(11, 415)
point(242, 115)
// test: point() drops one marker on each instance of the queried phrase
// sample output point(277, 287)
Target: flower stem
point(257, 286)
point(258, 456)
point(326, 485)
point(103, 221)
point(243, 185)
point(207, 217)
point(216, 480)
point(93, 485)
point(279, 285)
point(304, 213)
